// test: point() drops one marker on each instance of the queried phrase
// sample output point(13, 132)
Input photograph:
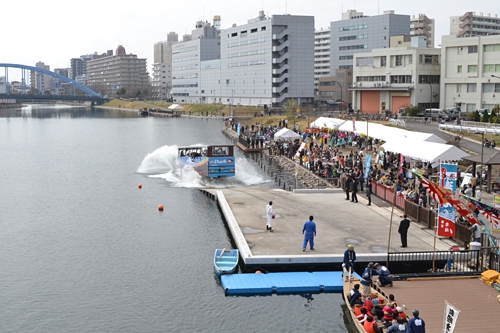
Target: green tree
point(475, 116)
point(412, 111)
point(291, 107)
point(494, 117)
point(121, 92)
point(486, 117)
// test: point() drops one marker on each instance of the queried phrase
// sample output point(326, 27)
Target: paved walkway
point(339, 222)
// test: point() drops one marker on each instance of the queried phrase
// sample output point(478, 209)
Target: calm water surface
point(82, 249)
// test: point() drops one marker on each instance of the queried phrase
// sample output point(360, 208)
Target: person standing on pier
point(369, 192)
point(349, 259)
point(347, 186)
point(270, 216)
point(310, 231)
point(403, 231)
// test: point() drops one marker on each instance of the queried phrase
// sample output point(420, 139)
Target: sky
point(54, 31)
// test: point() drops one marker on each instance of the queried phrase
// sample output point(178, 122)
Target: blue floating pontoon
point(282, 283)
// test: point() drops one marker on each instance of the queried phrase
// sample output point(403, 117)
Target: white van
point(436, 114)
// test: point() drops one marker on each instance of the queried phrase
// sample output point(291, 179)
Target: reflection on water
point(42, 111)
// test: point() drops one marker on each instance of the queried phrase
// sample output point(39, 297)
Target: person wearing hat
point(384, 275)
point(416, 324)
point(270, 216)
point(366, 279)
point(349, 258)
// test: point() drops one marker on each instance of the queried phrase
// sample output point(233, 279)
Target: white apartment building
point(321, 55)
point(161, 84)
point(393, 78)
point(470, 75)
point(187, 56)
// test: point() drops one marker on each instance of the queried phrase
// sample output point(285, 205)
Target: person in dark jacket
point(416, 324)
point(354, 189)
point(369, 192)
point(403, 231)
point(349, 259)
point(347, 187)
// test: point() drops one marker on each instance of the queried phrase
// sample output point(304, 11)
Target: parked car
point(435, 114)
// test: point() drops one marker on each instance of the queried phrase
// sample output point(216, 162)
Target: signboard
point(446, 213)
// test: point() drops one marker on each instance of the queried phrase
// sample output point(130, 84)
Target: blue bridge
point(77, 91)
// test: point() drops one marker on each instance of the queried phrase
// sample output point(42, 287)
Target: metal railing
point(456, 262)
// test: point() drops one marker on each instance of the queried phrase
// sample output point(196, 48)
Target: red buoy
point(139, 186)
point(160, 207)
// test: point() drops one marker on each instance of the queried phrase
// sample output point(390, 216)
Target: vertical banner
point(239, 128)
point(354, 124)
point(450, 317)
point(368, 165)
point(496, 201)
point(401, 163)
point(446, 213)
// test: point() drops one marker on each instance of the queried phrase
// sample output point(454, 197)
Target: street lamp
point(482, 155)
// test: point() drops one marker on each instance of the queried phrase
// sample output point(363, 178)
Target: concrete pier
point(339, 223)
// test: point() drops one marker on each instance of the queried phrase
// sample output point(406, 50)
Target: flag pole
point(390, 224)
point(435, 230)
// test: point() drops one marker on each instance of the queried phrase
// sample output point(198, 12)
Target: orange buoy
point(160, 207)
point(139, 186)
point(258, 272)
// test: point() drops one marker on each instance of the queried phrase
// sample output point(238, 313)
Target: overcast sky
point(54, 31)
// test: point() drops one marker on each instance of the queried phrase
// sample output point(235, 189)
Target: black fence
point(456, 262)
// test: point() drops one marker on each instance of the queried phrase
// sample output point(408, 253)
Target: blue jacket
point(349, 257)
point(309, 228)
point(367, 276)
point(416, 325)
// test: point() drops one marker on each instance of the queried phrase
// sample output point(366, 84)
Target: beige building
point(162, 68)
point(471, 24)
point(421, 25)
point(386, 80)
point(107, 74)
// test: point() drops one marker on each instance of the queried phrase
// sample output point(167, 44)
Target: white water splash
point(163, 164)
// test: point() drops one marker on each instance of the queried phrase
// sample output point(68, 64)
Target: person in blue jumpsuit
point(310, 232)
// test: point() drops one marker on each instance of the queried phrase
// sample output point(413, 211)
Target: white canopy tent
point(286, 134)
point(375, 130)
point(176, 107)
point(425, 151)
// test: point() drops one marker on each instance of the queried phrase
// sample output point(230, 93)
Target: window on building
point(227, 81)
point(383, 61)
point(472, 49)
point(409, 57)
point(459, 69)
point(471, 87)
point(471, 68)
point(263, 29)
point(459, 88)
point(234, 34)
point(491, 87)
point(243, 33)
point(471, 107)
point(460, 50)
point(491, 68)
point(428, 78)
point(399, 60)
point(491, 48)
point(253, 30)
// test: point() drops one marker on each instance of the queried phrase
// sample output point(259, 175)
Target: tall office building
point(108, 73)
point(357, 33)
point(78, 68)
point(421, 25)
point(321, 56)
point(268, 60)
point(162, 67)
point(471, 24)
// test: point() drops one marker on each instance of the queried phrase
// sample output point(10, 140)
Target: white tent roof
point(374, 130)
point(285, 133)
point(175, 107)
point(425, 151)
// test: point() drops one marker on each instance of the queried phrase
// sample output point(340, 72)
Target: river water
point(83, 249)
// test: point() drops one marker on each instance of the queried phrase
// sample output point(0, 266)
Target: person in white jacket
point(270, 216)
